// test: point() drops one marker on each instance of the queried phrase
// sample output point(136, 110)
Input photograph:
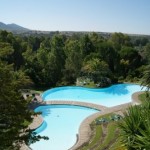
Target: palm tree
point(130, 126)
point(135, 127)
point(146, 78)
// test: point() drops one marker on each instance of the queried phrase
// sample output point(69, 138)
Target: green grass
point(142, 97)
point(26, 123)
point(36, 91)
point(117, 146)
point(95, 138)
point(99, 141)
point(109, 137)
point(90, 85)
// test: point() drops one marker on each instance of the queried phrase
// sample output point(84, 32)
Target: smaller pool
point(61, 124)
point(111, 96)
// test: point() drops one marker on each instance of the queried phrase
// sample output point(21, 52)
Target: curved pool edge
point(135, 99)
point(84, 133)
point(37, 122)
point(76, 103)
point(84, 128)
point(109, 96)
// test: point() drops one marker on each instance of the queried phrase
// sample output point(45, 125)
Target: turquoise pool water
point(111, 96)
point(61, 124)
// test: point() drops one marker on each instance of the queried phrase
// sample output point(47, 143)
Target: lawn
point(105, 136)
point(143, 96)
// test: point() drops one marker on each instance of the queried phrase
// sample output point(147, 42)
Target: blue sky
point(127, 16)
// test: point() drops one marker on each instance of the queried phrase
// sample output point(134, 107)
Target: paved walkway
point(77, 103)
point(37, 121)
point(25, 147)
point(85, 130)
point(135, 98)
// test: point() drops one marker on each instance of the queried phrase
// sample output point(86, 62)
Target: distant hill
point(17, 29)
point(12, 27)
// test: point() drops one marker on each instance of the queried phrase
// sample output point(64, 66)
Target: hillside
point(12, 27)
point(17, 29)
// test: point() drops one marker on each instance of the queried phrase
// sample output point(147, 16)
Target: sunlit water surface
point(111, 96)
point(61, 123)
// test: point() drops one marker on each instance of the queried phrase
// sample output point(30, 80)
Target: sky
point(126, 16)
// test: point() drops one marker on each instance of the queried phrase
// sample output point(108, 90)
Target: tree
point(34, 43)
point(119, 40)
point(146, 78)
point(31, 66)
point(45, 65)
point(6, 52)
point(73, 61)
point(14, 111)
point(146, 53)
point(45, 44)
point(130, 60)
point(109, 55)
point(58, 56)
point(96, 41)
point(17, 54)
point(97, 70)
point(12, 45)
point(86, 45)
point(135, 127)
point(3, 36)
point(144, 41)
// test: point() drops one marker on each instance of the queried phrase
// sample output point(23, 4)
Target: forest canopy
point(60, 59)
point(47, 61)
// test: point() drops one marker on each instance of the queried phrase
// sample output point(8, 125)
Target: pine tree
point(14, 112)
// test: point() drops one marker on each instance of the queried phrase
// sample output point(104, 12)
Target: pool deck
point(84, 134)
point(84, 129)
point(77, 103)
point(37, 121)
point(135, 99)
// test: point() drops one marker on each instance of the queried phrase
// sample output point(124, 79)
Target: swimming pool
point(61, 124)
point(111, 96)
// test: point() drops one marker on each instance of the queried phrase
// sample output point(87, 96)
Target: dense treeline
point(15, 115)
point(60, 59)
